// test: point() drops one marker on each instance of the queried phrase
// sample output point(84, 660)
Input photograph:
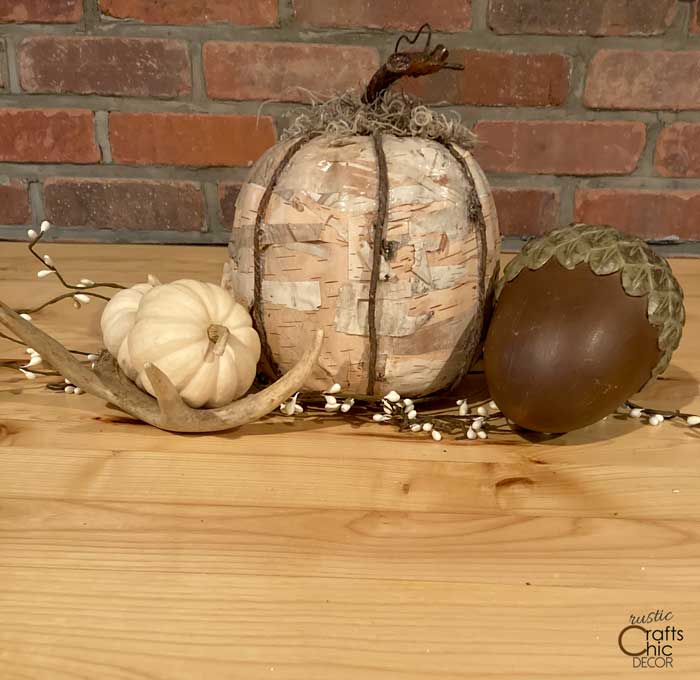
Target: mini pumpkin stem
point(219, 335)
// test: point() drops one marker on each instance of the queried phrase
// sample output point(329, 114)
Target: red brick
point(631, 79)
point(573, 17)
point(497, 79)
point(443, 15)
point(678, 150)
point(41, 11)
point(183, 12)
point(526, 211)
point(124, 204)
point(14, 202)
point(188, 139)
point(284, 71)
point(647, 213)
point(47, 136)
point(132, 67)
point(560, 147)
point(228, 194)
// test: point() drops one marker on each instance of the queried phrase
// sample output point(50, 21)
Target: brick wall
point(136, 120)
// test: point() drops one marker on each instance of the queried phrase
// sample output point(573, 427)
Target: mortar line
point(12, 66)
point(101, 131)
point(36, 203)
point(211, 198)
point(199, 93)
point(293, 32)
point(91, 15)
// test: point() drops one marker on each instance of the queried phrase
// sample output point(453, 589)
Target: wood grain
point(323, 551)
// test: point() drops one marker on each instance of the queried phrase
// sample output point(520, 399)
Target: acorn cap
point(607, 250)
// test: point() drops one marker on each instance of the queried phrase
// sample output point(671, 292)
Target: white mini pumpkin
point(119, 316)
point(120, 313)
point(199, 336)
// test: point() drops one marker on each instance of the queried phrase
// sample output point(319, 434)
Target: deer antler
point(168, 411)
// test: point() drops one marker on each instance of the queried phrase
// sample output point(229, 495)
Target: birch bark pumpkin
point(317, 252)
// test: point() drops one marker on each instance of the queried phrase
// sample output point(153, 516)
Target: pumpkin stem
point(408, 64)
point(218, 334)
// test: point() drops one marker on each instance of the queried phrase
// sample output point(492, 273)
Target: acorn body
point(585, 317)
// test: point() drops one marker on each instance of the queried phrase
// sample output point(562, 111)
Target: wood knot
point(510, 482)
point(389, 249)
point(5, 432)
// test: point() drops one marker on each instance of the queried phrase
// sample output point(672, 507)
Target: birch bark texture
point(317, 252)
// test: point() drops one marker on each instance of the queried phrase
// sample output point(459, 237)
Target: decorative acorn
point(585, 317)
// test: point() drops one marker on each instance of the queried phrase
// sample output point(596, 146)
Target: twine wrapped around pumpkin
point(438, 208)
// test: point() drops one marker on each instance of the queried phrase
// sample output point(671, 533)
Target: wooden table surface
point(318, 551)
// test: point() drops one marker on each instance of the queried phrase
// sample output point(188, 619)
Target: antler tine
point(54, 353)
point(169, 411)
point(171, 405)
point(106, 381)
point(261, 403)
